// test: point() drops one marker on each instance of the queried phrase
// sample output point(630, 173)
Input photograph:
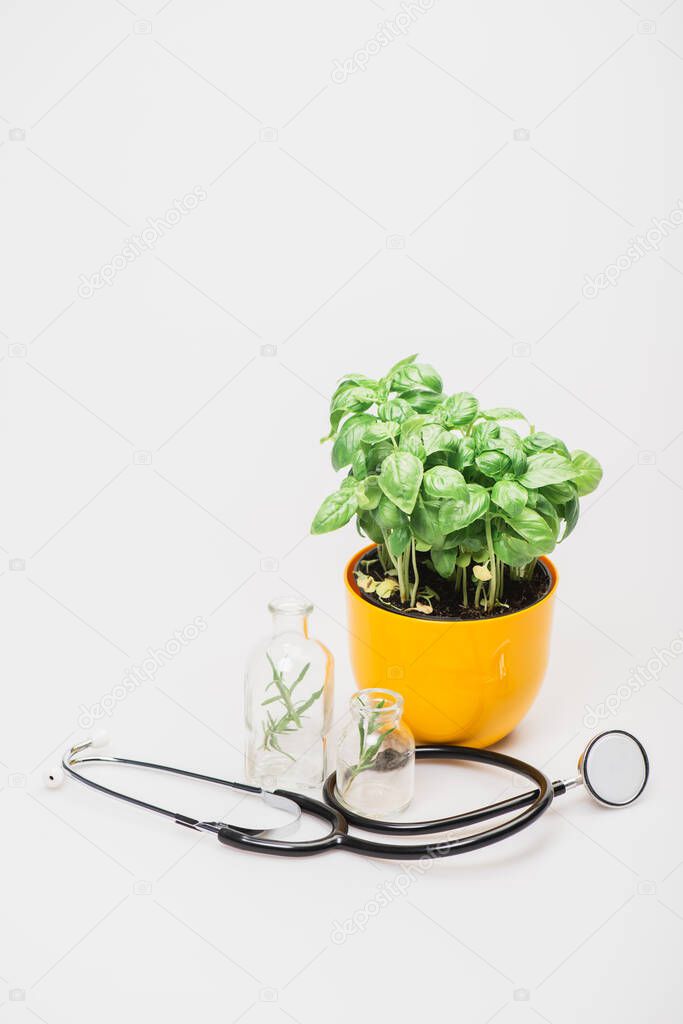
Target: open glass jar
point(288, 696)
point(376, 756)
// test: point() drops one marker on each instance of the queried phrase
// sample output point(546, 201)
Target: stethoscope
point(614, 768)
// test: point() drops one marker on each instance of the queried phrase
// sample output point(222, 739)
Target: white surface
point(343, 226)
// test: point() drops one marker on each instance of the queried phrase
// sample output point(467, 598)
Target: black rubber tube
point(535, 804)
point(429, 827)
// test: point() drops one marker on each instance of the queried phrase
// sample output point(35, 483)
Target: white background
point(160, 461)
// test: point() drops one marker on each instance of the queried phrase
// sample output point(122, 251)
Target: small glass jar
point(288, 695)
point(376, 756)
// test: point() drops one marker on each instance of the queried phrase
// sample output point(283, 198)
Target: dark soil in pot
point(519, 594)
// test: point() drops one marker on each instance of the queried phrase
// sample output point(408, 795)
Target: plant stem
point(400, 569)
point(492, 564)
point(416, 583)
point(398, 566)
point(501, 580)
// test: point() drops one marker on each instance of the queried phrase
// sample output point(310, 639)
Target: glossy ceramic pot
point(468, 682)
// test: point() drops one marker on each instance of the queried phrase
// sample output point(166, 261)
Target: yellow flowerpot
point(462, 682)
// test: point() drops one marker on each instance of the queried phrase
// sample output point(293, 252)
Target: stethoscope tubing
point(531, 806)
point(436, 753)
point(68, 764)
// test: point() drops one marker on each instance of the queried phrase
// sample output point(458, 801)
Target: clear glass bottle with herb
point(289, 688)
point(376, 756)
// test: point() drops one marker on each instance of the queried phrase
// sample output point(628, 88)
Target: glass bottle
point(376, 756)
point(289, 690)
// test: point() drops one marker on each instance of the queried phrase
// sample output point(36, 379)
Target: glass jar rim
point(366, 701)
point(290, 605)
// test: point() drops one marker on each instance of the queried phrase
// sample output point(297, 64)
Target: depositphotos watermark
point(638, 679)
point(138, 245)
point(145, 672)
point(638, 248)
point(383, 897)
point(389, 30)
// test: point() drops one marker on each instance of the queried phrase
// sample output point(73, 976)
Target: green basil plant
point(433, 478)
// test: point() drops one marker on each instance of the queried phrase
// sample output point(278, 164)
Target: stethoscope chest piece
point(614, 768)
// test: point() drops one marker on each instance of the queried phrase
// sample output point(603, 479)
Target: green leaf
point(399, 366)
point(416, 377)
point(376, 454)
point(444, 482)
point(518, 459)
point(348, 382)
point(484, 435)
point(436, 439)
point(396, 409)
point(510, 496)
point(460, 409)
point(539, 502)
point(436, 459)
point(502, 412)
point(305, 705)
point(545, 508)
point(398, 539)
point(368, 525)
point(456, 514)
point(400, 479)
point(547, 468)
point(570, 513)
point(388, 515)
point(510, 437)
point(510, 443)
point(359, 466)
point(335, 511)
point(444, 562)
point(512, 550)
point(422, 401)
point(425, 522)
point(413, 443)
point(368, 493)
point(348, 439)
point(534, 529)
point(415, 423)
point(380, 430)
point(560, 493)
point(493, 463)
point(541, 442)
point(588, 472)
point(464, 453)
point(351, 399)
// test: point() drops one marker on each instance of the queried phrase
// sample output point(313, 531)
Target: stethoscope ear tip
point(53, 778)
point(100, 738)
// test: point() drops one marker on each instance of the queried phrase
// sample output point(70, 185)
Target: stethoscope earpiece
point(54, 777)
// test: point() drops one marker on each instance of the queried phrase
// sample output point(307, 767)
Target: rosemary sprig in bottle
point(368, 751)
point(292, 711)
